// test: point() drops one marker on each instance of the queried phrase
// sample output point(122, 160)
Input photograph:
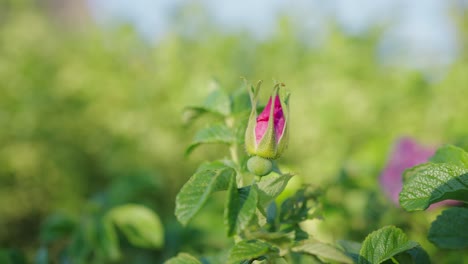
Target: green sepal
point(250, 141)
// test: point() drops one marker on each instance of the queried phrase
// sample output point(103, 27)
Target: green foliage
point(140, 225)
point(451, 154)
point(384, 244)
point(445, 177)
point(249, 250)
point(182, 258)
point(241, 205)
point(94, 237)
point(431, 182)
point(88, 109)
point(270, 187)
point(447, 230)
point(208, 179)
point(322, 250)
point(10, 256)
point(262, 231)
point(218, 133)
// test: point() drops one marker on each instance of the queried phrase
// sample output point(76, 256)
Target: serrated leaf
point(451, 154)
point(240, 207)
point(322, 250)
point(218, 133)
point(249, 250)
point(183, 258)
point(433, 182)
point(208, 179)
point(139, 224)
point(270, 187)
point(383, 244)
point(449, 229)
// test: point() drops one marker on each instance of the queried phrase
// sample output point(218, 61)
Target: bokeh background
point(92, 95)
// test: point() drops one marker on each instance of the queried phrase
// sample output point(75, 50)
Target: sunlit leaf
point(384, 244)
point(182, 258)
point(451, 154)
point(322, 250)
point(218, 133)
point(139, 224)
point(209, 178)
point(449, 230)
point(433, 182)
point(249, 250)
point(270, 187)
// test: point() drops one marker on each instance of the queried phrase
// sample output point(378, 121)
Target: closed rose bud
point(266, 135)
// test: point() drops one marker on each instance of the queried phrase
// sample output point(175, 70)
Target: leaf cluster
point(444, 177)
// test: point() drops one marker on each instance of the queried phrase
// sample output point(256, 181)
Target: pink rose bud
point(266, 135)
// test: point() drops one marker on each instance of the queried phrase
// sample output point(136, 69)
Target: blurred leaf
point(107, 239)
point(449, 230)
point(384, 244)
point(134, 188)
point(433, 182)
point(418, 255)
point(217, 102)
point(322, 250)
point(351, 248)
point(298, 208)
point(270, 187)
point(217, 133)
point(11, 256)
point(140, 225)
point(191, 113)
point(451, 154)
point(42, 256)
point(83, 242)
point(249, 250)
point(241, 205)
point(209, 178)
point(241, 102)
point(182, 258)
point(57, 226)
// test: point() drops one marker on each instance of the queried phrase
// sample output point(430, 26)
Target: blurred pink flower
point(407, 153)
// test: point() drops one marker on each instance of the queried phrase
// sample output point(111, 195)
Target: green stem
point(234, 151)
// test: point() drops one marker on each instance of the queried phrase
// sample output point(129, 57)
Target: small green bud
point(259, 166)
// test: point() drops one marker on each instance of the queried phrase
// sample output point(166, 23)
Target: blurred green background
point(87, 110)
